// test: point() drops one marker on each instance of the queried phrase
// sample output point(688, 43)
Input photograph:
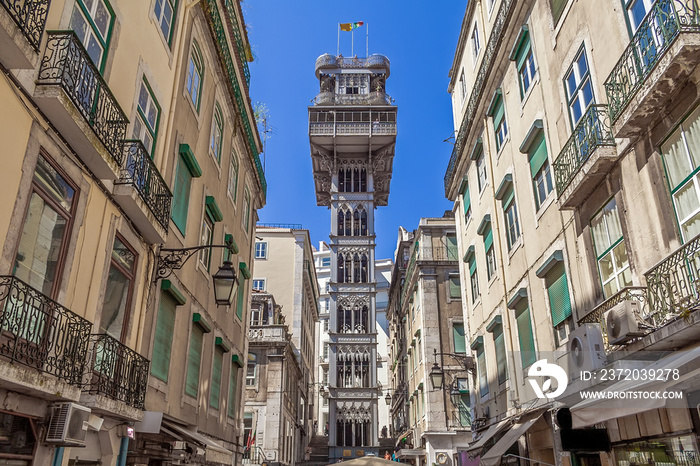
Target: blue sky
point(418, 37)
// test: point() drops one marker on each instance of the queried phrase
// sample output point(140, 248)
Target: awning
point(594, 411)
point(487, 435)
point(493, 456)
point(213, 451)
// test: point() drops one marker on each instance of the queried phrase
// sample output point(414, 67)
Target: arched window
point(217, 133)
point(348, 222)
point(341, 269)
point(356, 223)
point(364, 271)
point(342, 185)
point(348, 268)
point(341, 223)
point(356, 180)
point(363, 180)
point(356, 268)
point(363, 221)
point(195, 71)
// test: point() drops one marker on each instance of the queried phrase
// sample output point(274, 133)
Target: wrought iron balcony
point(579, 156)
point(331, 61)
point(30, 17)
point(673, 285)
point(238, 37)
point(117, 371)
point(40, 333)
point(664, 23)
point(139, 171)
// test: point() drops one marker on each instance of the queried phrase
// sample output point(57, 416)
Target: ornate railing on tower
point(139, 171)
point(66, 63)
point(591, 132)
point(504, 11)
point(30, 17)
point(40, 333)
point(662, 24)
point(117, 371)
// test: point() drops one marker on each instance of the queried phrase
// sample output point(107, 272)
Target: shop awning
point(593, 411)
point(213, 451)
point(493, 456)
point(487, 435)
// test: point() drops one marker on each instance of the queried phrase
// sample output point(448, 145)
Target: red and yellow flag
point(351, 26)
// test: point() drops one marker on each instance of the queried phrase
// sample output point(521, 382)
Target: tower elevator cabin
point(352, 133)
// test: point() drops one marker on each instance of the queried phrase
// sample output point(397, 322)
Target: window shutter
point(458, 338)
point(472, 265)
point(498, 113)
point(538, 154)
point(523, 50)
point(557, 8)
point(215, 392)
point(232, 389)
point(558, 291)
point(452, 253)
point(466, 200)
point(240, 293)
point(194, 360)
point(527, 340)
point(508, 197)
point(181, 195)
point(481, 367)
point(455, 290)
point(162, 346)
point(488, 239)
point(500, 345)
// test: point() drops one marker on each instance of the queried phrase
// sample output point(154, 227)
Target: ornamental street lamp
point(225, 280)
point(437, 375)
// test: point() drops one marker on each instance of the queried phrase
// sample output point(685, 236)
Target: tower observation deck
point(352, 133)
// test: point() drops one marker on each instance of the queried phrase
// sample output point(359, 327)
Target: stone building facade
point(572, 177)
point(119, 117)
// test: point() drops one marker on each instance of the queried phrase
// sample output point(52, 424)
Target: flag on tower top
point(351, 26)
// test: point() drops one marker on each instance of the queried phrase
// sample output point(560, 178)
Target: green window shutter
point(464, 412)
point(523, 50)
point(213, 210)
point(527, 340)
point(455, 289)
point(557, 8)
point(558, 291)
point(488, 239)
point(466, 200)
point(472, 265)
point(500, 344)
point(194, 359)
point(481, 367)
point(538, 154)
point(215, 392)
point(508, 197)
point(458, 338)
point(240, 294)
point(232, 389)
point(452, 253)
point(181, 195)
point(162, 346)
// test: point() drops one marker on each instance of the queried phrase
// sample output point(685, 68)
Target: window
point(232, 391)
point(259, 284)
point(559, 301)
point(455, 290)
point(260, 250)
point(476, 46)
point(194, 359)
point(352, 180)
point(233, 177)
point(524, 62)
point(464, 403)
point(195, 71)
point(165, 11)
point(117, 300)
point(325, 325)
point(92, 22)
point(466, 203)
point(681, 153)
point(539, 169)
point(473, 278)
point(458, 341)
point(490, 4)
point(187, 168)
point(246, 210)
point(217, 133)
point(481, 369)
point(325, 262)
point(163, 341)
point(352, 84)
point(52, 202)
point(579, 90)
point(526, 339)
point(510, 214)
point(206, 239)
point(557, 7)
point(248, 429)
point(251, 375)
point(497, 112)
point(216, 369)
point(611, 253)
point(147, 116)
point(462, 86)
point(240, 291)
point(325, 351)
point(451, 247)
point(487, 233)
point(500, 347)
point(481, 171)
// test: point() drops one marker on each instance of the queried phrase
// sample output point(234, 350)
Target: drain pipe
point(123, 448)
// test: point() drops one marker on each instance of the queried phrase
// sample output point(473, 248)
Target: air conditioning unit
point(621, 322)
point(586, 350)
point(68, 424)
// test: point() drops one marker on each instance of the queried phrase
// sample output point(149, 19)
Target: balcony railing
point(38, 332)
point(597, 315)
point(673, 285)
point(591, 132)
point(268, 333)
point(139, 171)
point(664, 22)
point(67, 64)
point(332, 61)
point(238, 37)
point(117, 371)
point(490, 53)
point(217, 28)
point(372, 98)
point(30, 17)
